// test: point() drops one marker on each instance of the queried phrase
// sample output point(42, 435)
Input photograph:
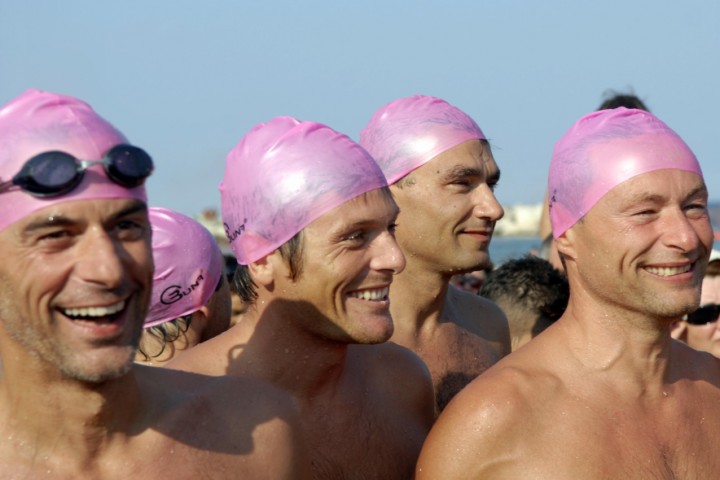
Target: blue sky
point(187, 79)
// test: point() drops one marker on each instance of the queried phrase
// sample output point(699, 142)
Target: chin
point(380, 334)
point(100, 370)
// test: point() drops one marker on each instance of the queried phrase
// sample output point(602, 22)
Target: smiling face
point(76, 281)
point(349, 257)
point(448, 210)
point(644, 246)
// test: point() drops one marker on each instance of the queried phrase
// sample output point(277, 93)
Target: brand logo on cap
point(175, 293)
point(232, 236)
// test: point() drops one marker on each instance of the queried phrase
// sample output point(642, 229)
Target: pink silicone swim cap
point(283, 175)
point(604, 149)
point(407, 133)
point(37, 122)
point(188, 266)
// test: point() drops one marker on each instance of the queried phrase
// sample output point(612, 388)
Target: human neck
point(281, 351)
point(418, 296)
point(63, 417)
point(618, 342)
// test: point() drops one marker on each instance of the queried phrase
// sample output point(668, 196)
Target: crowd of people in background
point(351, 324)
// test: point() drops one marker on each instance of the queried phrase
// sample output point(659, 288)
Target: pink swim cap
point(604, 149)
point(283, 175)
point(37, 122)
point(407, 133)
point(188, 266)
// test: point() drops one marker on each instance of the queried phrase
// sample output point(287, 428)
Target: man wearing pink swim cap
point(309, 218)
point(190, 300)
point(442, 175)
point(76, 274)
point(604, 392)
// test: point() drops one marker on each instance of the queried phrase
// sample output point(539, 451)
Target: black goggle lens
point(704, 315)
point(129, 166)
point(50, 173)
point(55, 173)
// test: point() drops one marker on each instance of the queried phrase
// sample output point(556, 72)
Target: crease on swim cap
point(283, 175)
point(408, 132)
point(601, 151)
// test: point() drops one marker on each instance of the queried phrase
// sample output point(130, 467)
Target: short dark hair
point(290, 251)
point(614, 99)
point(532, 285)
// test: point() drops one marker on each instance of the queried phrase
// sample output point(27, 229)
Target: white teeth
point(668, 271)
point(94, 311)
point(372, 295)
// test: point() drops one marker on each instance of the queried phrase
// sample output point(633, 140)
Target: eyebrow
point(460, 171)
point(61, 220)
point(700, 190)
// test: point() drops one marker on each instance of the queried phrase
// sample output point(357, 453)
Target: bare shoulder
point(485, 426)
point(481, 316)
point(399, 372)
point(701, 367)
point(212, 357)
point(234, 423)
point(390, 359)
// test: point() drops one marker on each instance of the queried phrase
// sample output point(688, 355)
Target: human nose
point(387, 255)
point(486, 205)
point(686, 234)
point(100, 260)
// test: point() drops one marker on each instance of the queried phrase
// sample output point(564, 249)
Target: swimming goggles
point(706, 314)
point(55, 173)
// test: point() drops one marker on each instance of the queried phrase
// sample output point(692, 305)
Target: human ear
point(263, 270)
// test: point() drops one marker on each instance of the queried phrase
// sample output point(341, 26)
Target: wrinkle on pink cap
point(409, 132)
point(604, 149)
point(188, 266)
point(36, 122)
point(283, 175)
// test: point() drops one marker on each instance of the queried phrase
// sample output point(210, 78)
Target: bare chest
point(156, 458)
point(454, 356)
point(357, 439)
point(612, 443)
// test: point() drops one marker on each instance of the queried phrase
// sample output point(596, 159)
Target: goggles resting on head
point(50, 174)
point(702, 316)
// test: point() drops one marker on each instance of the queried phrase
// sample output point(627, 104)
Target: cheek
point(139, 260)
point(701, 333)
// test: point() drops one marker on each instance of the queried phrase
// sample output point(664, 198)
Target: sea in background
point(504, 248)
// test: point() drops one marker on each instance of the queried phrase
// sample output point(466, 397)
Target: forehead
point(710, 290)
point(79, 211)
point(472, 154)
point(375, 206)
point(660, 186)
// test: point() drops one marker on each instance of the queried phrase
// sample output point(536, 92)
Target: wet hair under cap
point(601, 151)
point(409, 132)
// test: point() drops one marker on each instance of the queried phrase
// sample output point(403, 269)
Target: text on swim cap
point(174, 293)
point(232, 236)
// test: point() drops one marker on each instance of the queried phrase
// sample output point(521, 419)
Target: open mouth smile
point(107, 313)
point(668, 271)
point(373, 295)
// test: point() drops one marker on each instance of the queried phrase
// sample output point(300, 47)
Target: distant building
point(520, 220)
